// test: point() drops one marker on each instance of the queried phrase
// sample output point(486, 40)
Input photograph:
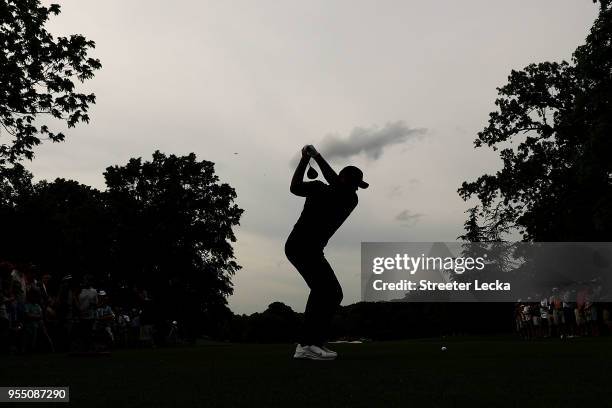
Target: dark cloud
point(368, 141)
point(408, 218)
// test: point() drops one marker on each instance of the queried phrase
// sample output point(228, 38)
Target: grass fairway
point(472, 372)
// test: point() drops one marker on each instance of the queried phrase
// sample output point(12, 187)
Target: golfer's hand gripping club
point(311, 151)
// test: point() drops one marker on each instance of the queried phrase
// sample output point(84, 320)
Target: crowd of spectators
point(44, 313)
point(39, 312)
point(572, 311)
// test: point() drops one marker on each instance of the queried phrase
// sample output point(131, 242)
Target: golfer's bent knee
point(335, 296)
point(339, 295)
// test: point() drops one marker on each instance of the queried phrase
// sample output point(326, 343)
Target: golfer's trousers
point(325, 291)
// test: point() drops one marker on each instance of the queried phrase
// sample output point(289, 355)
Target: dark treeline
point(372, 321)
point(403, 320)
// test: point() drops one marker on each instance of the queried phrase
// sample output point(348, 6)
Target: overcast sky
point(398, 88)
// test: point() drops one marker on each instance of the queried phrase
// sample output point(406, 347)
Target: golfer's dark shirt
point(325, 209)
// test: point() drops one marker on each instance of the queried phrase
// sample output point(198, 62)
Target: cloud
point(368, 141)
point(408, 218)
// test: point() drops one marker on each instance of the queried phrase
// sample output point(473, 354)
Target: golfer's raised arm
point(329, 173)
point(297, 181)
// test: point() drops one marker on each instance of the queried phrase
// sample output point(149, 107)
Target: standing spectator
point(134, 335)
point(5, 322)
point(32, 326)
point(569, 316)
point(18, 290)
point(590, 310)
point(45, 290)
point(545, 317)
point(579, 311)
point(557, 310)
point(123, 324)
point(19, 285)
point(104, 320)
point(536, 318)
point(527, 321)
point(65, 312)
point(50, 320)
point(518, 320)
point(147, 318)
point(87, 304)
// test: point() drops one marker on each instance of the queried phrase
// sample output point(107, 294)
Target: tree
point(552, 130)
point(60, 226)
point(15, 187)
point(37, 78)
point(15, 184)
point(173, 222)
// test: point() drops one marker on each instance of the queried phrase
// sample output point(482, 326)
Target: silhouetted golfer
point(325, 209)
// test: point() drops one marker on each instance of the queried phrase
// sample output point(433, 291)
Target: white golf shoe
point(313, 353)
point(329, 351)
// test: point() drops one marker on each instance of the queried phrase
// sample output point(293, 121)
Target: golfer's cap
point(356, 174)
point(102, 293)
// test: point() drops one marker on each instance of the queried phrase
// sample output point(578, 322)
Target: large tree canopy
point(553, 132)
point(173, 221)
point(37, 78)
